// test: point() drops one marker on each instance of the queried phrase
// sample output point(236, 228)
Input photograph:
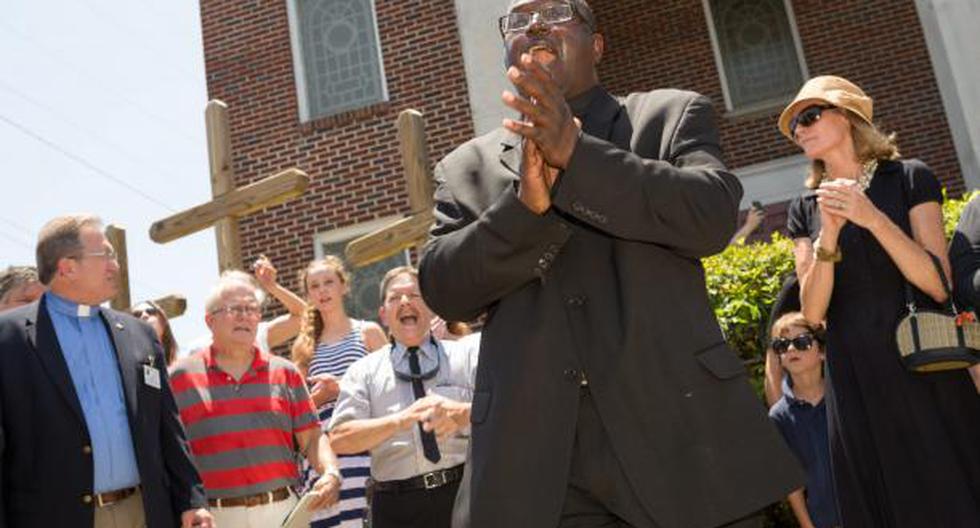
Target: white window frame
point(351, 232)
point(299, 69)
point(720, 65)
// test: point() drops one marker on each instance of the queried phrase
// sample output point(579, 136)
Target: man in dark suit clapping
point(605, 393)
point(89, 434)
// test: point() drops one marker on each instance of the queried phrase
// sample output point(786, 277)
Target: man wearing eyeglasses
point(89, 435)
point(606, 395)
point(249, 416)
point(409, 405)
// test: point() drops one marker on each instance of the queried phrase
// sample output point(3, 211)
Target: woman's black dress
point(905, 447)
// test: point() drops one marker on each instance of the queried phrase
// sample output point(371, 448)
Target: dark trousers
point(414, 509)
point(598, 494)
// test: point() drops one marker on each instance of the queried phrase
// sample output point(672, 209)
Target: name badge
point(151, 376)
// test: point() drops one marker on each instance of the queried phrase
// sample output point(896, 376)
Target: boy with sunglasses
point(801, 417)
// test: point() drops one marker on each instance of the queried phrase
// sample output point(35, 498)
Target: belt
point(110, 497)
point(248, 501)
point(425, 481)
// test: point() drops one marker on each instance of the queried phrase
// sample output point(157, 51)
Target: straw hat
point(831, 90)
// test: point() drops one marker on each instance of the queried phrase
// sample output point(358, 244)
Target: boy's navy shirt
point(804, 427)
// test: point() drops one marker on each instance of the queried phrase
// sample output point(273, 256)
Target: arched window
point(336, 56)
point(758, 52)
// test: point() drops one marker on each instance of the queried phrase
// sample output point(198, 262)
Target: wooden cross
point(172, 305)
point(229, 203)
point(413, 230)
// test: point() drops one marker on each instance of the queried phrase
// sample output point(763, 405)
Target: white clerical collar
point(71, 308)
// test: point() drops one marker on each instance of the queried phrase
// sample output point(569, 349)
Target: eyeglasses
point(807, 117)
point(149, 310)
point(240, 310)
point(521, 20)
point(801, 343)
point(108, 254)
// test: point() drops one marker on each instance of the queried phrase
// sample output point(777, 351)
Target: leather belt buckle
point(434, 479)
point(112, 497)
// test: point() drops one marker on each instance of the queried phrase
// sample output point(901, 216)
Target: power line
point(17, 241)
point(118, 148)
point(140, 38)
point(170, 126)
point(83, 162)
point(17, 226)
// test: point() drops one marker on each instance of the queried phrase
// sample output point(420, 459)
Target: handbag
point(933, 341)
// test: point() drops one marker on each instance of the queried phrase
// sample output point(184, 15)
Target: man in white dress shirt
point(409, 405)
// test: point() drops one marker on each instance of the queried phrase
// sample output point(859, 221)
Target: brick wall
point(352, 158)
point(877, 44)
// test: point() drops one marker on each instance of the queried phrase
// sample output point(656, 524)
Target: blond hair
point(870, 145)
point(312, 324)
point(796, 320)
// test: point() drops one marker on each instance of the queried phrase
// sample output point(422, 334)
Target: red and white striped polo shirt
point(241, 433)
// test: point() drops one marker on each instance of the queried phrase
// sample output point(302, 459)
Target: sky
point(102, 111)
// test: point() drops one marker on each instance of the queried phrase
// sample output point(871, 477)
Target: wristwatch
point(333, 472)
point(825, 255)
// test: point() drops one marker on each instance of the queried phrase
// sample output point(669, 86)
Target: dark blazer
point(46, 461)
point(608, 282)
point(964, 257)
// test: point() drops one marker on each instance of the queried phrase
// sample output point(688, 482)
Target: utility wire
point(85, 163)
point(139, 38)
point(170, 125)
point(116, 147)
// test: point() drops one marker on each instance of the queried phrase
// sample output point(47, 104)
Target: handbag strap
point(909, 295)
point(949, 305)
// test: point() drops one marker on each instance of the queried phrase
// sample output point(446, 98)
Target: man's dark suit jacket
point(964, 257)
point(608, 282)
point(47, 466)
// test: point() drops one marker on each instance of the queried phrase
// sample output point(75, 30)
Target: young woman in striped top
point(329, 341)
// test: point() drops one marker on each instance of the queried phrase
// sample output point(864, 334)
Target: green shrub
point(743, 282)
point(953, 208)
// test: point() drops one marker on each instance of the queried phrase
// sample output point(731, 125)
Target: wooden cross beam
point(229, 203)
point(413, 230)
point(172, 305)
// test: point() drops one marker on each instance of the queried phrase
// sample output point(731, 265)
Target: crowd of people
point(598, 391)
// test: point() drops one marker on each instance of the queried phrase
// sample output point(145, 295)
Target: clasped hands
point(437, 414)
point(549, 129)
point(841, 201)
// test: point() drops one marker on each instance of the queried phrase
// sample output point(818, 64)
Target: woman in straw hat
point(905, 447)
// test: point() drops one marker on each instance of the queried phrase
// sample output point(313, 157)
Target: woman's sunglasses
point(807, 117)
point(801, 343)
point(149, 310)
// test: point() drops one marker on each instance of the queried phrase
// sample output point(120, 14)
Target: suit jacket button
point(542, 263)
point(571, 375)
point(87, 450)
point(87, 499)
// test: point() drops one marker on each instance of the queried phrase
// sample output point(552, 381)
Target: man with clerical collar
point(606, 395)
point(249, 416)
point(89, 434)
point(408, 404)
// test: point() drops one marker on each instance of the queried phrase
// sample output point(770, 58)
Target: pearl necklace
point(864, 178)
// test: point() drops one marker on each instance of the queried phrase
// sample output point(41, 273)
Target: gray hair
point(15, 276)
point(231, 279)
point(60, 238)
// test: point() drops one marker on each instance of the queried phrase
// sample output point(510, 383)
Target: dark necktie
point(429, 446)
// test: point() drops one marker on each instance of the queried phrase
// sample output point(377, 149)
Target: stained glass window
point(757, 50)
point(341, 59)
